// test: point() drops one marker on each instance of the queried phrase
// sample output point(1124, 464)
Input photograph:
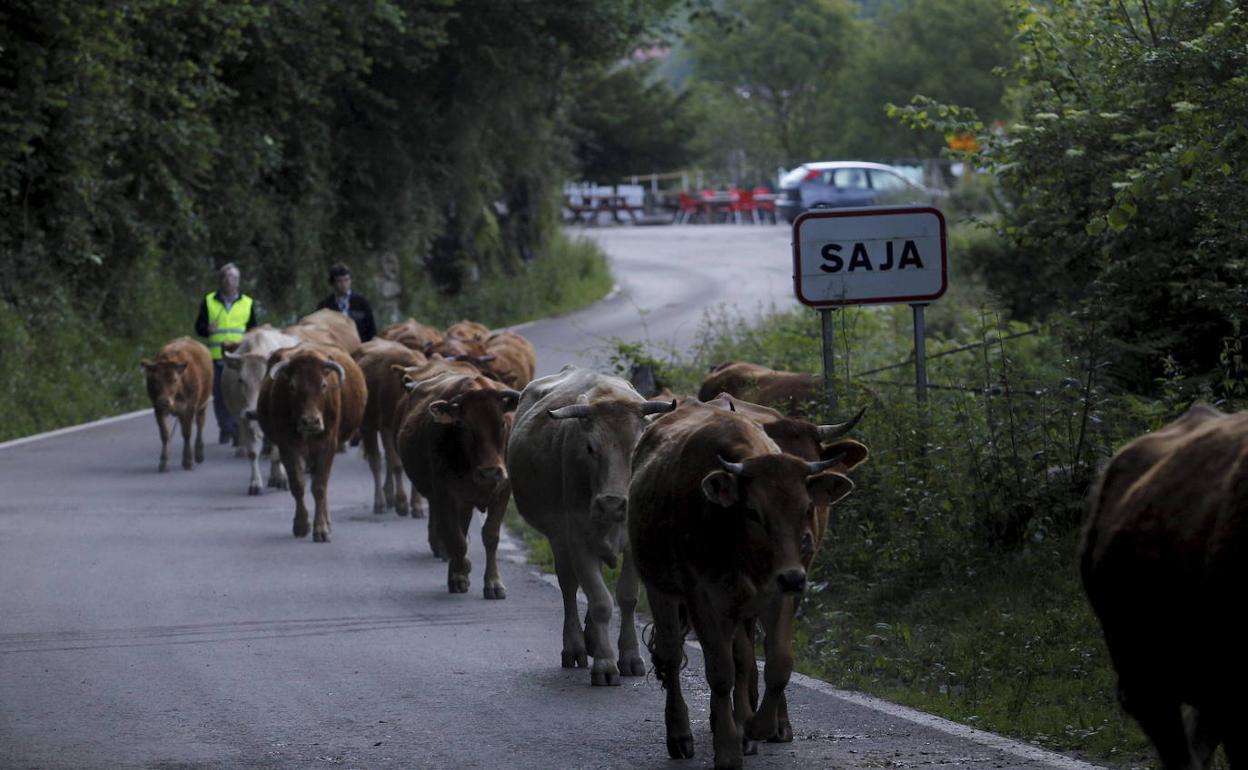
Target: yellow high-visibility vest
point(230, 323)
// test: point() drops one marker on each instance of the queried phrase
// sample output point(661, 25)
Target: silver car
point(841, 183)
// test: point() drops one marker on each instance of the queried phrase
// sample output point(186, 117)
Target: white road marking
point(73, 428)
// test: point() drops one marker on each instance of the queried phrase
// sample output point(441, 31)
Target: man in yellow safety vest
point(223, 317)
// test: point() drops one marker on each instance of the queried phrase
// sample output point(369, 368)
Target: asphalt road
point(169, 621)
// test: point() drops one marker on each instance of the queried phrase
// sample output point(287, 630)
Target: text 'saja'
point(860, 259)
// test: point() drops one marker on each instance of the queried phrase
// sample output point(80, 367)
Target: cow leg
point(604, 671)
point(667, 654)
point(627, 589)
point(249, 438)
point(321, 465)
point(490, 535)
point(188, 456)
point(435, 532)
point(745, 678)
point(573, 655)
point(778, 646)
point(450, 517)
point(200, 416)
point(716, 632)
point(1162, 721)
point(381, 500)
point(396, 493)
point(294, 471)
point(162, 422)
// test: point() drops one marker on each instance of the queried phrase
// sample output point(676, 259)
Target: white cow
point(244, 371)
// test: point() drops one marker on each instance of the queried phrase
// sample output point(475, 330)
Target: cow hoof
point(277, 483)
point(784, 733)
point(749, 747)
point(497, 591)
point(302, 529)
point(379, 508)
point(320, 537)
point(163, 468)
point(401, 508)
point(458, 584)
point(254, 490)
point(574, 659)
point(632, 666)
point(680, 747)
point(605, 679)
point(188, 466)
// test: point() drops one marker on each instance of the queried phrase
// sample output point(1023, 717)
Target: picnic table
point(590, 206)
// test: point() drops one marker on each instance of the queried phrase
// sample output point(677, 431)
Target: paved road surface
point(171, 622)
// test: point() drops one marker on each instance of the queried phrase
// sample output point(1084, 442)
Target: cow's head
point(247, 369)
point(478, 419)
point(774, 495)
point(164, 381)
point(312, 391)
point(608, 431)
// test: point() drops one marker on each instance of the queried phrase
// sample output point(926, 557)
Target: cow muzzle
point(791, 581)
point(489, 476)
point(311, 426)
point(608, 510)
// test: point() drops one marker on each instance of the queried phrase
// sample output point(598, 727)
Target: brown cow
point(793, 393)
point(179, 382)
point(378, 359)
point(468, 330)
point(1164, 560)
point(327, 327)
point(452, 440)
point(716, 519)
point(568, 460)
point(412, 333)
point(313, 397)
point(510, 359)
point(459, 349)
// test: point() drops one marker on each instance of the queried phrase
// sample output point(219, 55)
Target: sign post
point(876, 255)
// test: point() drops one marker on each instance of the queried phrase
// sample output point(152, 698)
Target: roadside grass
point(947, 581)
point(60, 368)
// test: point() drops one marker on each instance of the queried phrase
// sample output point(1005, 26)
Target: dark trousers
point(227, 423)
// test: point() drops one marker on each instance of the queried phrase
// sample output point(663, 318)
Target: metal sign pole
point(829, 388)
point(920, 352)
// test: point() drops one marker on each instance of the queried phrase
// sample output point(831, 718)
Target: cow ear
point(827, 487)
point(855, 452)
point(444, 412)
point(720, 487)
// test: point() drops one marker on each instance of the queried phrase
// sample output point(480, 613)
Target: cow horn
point(510, 393)
point(234, 354)
point(657, 407)
point(821, 465)
point(832, 432)
point(277, 368)
point(734, 468)
point(342, 373)
point(572, 410)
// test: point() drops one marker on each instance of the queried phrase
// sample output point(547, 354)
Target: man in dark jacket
point(346, 301)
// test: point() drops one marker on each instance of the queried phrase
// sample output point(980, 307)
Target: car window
point(848, 178)
point(885, 181)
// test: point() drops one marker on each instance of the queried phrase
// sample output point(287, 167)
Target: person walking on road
point(346, 301)
point(224, 315)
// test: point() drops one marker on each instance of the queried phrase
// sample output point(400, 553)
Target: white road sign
point(877, 255)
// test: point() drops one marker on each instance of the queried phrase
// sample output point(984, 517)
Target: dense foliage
point(1124, 181)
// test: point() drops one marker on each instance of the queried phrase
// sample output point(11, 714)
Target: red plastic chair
point(688, 209)
point(744, 206)
point(766, 207)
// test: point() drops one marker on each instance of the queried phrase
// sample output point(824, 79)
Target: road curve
point(169, 621)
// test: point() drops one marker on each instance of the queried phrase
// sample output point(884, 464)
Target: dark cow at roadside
point(1164, 560)
point(794, 393)
point(313, 398)
point(510, 359)
point(413, 334)
point(179, 383)
point(717, 515)
point(452, 441)
point(568, 460)
point(383, 362)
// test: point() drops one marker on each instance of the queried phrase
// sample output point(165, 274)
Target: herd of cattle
point(717, 504)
